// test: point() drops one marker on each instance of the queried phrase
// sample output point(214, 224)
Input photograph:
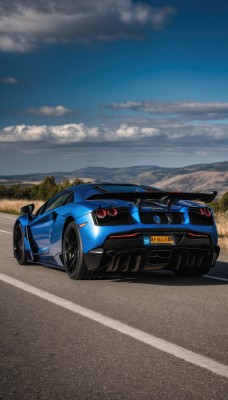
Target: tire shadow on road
point(168, 278)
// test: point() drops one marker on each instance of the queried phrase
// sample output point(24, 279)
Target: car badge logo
point(157, 219)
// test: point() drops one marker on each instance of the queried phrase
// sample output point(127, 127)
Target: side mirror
point(27, 209)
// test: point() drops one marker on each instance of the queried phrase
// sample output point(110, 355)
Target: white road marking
point(4, 216)
point(153, 341)
point(216, 277)
point(10, 233)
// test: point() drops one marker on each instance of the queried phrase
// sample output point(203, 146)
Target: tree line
point(42, 191)
point(48, 188)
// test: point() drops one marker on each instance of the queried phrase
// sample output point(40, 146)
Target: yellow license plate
point(161, 240)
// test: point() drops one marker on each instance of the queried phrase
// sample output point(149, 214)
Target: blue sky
point(112, 83)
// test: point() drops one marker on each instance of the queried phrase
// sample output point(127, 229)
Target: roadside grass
point(222, 223)
point(223, 242)
point(222, 226)
point(14, 206)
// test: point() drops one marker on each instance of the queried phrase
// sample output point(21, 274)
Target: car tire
point(19, 246)
point(73, 259)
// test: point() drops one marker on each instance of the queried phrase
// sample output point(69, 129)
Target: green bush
point(223, 203)
point(43, 191)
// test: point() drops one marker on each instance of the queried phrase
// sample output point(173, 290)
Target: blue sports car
point(93, 228)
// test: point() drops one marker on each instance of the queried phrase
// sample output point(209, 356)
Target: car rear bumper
point(129, 253)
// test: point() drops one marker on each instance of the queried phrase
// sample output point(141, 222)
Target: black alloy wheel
point(19, 248)
point(73, 259)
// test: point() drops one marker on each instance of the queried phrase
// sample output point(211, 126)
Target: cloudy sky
point(112, 83)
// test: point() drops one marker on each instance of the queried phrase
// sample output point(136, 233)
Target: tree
point(77, 181)
point(3, 192)
point(215, 206)
point(65, 184)
point(47, 188)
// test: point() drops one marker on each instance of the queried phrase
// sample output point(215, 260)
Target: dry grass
point(223, 242)
point(222, 224)
point(14, 206)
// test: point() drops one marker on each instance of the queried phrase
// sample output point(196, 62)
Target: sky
point(112, 83)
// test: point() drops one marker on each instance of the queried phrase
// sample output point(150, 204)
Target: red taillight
point(126, 235)
point(197, 235)
point(101, 213)
point(206, 212)
point(112, 212)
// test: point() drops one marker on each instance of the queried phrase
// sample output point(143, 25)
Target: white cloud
point(196, 109)
point(19, 44)
point(25, 24)
point(43, 133)
point(129, 135)
point(9, 80)
point(58, 111)
point(134, 132)
point(132, 105)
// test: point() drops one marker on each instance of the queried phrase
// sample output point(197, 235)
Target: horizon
point(48, 173)
point(112, 83)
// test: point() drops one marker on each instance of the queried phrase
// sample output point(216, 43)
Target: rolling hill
point(200, 177)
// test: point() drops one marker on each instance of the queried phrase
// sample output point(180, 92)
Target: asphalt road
point(57, 342)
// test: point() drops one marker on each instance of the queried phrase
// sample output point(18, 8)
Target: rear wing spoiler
point(166, 197)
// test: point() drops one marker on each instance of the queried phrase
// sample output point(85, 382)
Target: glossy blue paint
point(43, 233)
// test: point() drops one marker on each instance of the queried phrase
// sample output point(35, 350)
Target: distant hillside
point(194, 177)
point(197, 181)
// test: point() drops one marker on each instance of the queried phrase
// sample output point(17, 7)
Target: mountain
point(200, 177)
